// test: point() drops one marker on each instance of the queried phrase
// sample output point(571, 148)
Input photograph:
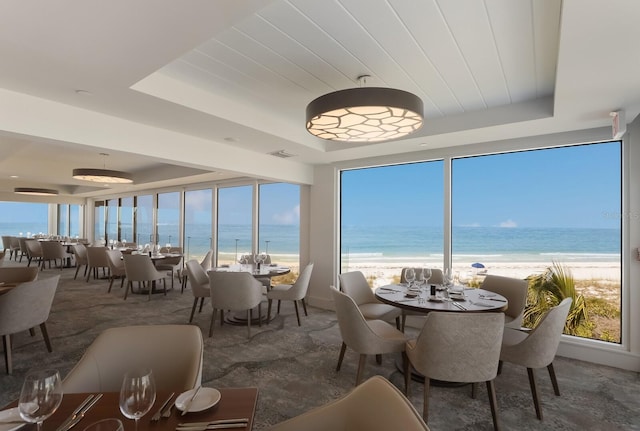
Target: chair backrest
point(34, 249)
point(6, 242)
point(18, 274)
point(27, 305)
point(198, 279)
point(541, 346)
point(139, 267)
point(173, 352)
point(514, 289)
point(299, 289)
point(22, 244)
point(52, 250)
point(459, 347)
point(80, 251)
point(354, 329)
point(96, 257)
point(375, 405)
point(207, 263)
point(355, 285)
point(234, 290)
point(436, 275)
point(115, 261)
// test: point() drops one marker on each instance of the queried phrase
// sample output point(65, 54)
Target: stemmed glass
point(137, 394)
point(409, 275)
point(426, 274)
point(41, 396)
point(110, 424)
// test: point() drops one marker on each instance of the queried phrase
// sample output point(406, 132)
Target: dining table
point(234, 403)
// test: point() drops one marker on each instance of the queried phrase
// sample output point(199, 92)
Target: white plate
point(206, 398)
point(10, 415)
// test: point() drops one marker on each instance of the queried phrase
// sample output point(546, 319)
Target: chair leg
point(201, 304)
point(379, 359)
point(491, 391)
point(249, 323)
point(278, 306)
point(32, 332)
point(404, 321)
point(361, 364)
point(6, 342)
point(398, 323)
point(45, 335)
point(129, 286)
point(295, 304)
point(500, 367)
point(474, 390)
point(534, 392)
point(269, 301)
point(110, 285)
point(425, 405)
point(77, 269)
point(304, 306)
point(406, 365)
point(122, 281)
point(260, 315)
point(343, 349)
point(193, 309)
point(213, 318)
point(554, 381)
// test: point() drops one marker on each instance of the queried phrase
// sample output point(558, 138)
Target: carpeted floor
point(294, 367)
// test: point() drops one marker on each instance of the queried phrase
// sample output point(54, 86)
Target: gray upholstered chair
point(205, 264)
point(24, 307)
point(234, 291)
point(291, 292)
point(515, 290)
point(365, 336)
point(96, 259)
point(199, 281)
point(437, 277)
point(19, 274)
point(20, 247)
point(139, 268)
point(173, 352)
point(172, 264)
point(53, 250)
point(80, 253)
point(34, 251)
point(116, 267)
point(355, 285)
point(6, 244)
point(537, 348)
point(375, 405)
point(457, 347)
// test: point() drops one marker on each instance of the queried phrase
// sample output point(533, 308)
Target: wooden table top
point(234, 403)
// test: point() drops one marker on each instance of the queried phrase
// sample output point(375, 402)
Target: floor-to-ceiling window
point(69, 223)
point(75, 223)
point(235, 218)
point(144, 219)
point(527, 213)
point(391, 217)
point(198, 215)
point(63, 220)
point(99, 217)
point(168, 219)
point(23, 219)
point(112, 221)
point(126, 220)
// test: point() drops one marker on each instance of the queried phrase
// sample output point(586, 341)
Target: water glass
point(137, 394)
point(41, 396)
point(409, 276)
point(110, 424)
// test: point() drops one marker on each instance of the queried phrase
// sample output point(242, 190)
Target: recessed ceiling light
point(13, 176)
point(424, 144)
point(84, 93)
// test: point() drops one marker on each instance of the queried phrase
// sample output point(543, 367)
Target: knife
point(75, 413)
point(188, 404)
point(214, 422)
point(214, 427)
point(157, 415)
point(73, 422)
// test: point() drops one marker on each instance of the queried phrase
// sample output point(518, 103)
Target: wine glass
point(426, 273)
point(109, 424)
point(409, 275)
point(137, 394)
point(41, 396)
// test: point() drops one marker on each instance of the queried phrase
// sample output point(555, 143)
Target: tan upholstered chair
point(205, 264)
point(457, 347)
point(173, 352)
point(20, 247)
point(80, 253)
point(24, 307)
point(295, 292)
point(355, 285)
point(139, 268)
point(6, 244)
point(96, 259)
point(20, 274)
point(34, 251)
point(173, 264)
point(437, 277)
point(234, 291)
point(375, 405)
point(537, 348)
point(116, 267)
point(366, 337)
point(53, 250)
point(199, 281)
point(515, 290)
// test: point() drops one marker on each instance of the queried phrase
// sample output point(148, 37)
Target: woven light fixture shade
point(35, 191)
point(102, 176)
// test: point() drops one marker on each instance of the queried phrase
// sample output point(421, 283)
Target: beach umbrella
point(477, 265)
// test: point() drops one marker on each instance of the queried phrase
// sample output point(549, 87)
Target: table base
point(416, 376)
point(239, 318)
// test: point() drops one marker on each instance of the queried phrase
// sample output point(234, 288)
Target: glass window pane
point(144, 219)
point(23, 218)
point(112, 221)
point(168, 225)
point(126, 220)
point(234, 223)
point(63, 220)
point(198, 215)
point(391, 217)
point(99, 222)
point(75, 224)
point(518, 214)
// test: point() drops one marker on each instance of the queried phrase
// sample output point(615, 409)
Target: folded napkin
point(8, 418)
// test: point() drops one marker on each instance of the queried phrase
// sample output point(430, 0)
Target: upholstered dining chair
point(291, 292)
point(96, 259)
point(375, 405)
point(235, 291)
point(173, 352)
point(6, 245)
point(172, 264)
point(437, 277)
point(205, 263)
point(34, 251)
point(80, 253)
point(18, 274)
point(24, 307)
point(53, 250)
point(365, 336)
point(537, 348)
point(20, 246)
point(355, 285)
point(515, 291)
point(116, 267)
point(457, 347)
point(199, 281)
point(139, 268)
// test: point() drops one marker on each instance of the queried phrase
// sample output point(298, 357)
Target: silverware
point(167, 412)
point(75, 413)
point(157, 415)
point(458, 305)
point(67, 425)
point(493, 299)
point(188, 403)
point(214, 427)
point(215, 422)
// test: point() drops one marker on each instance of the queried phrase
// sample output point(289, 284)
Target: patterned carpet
point(294, 367)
